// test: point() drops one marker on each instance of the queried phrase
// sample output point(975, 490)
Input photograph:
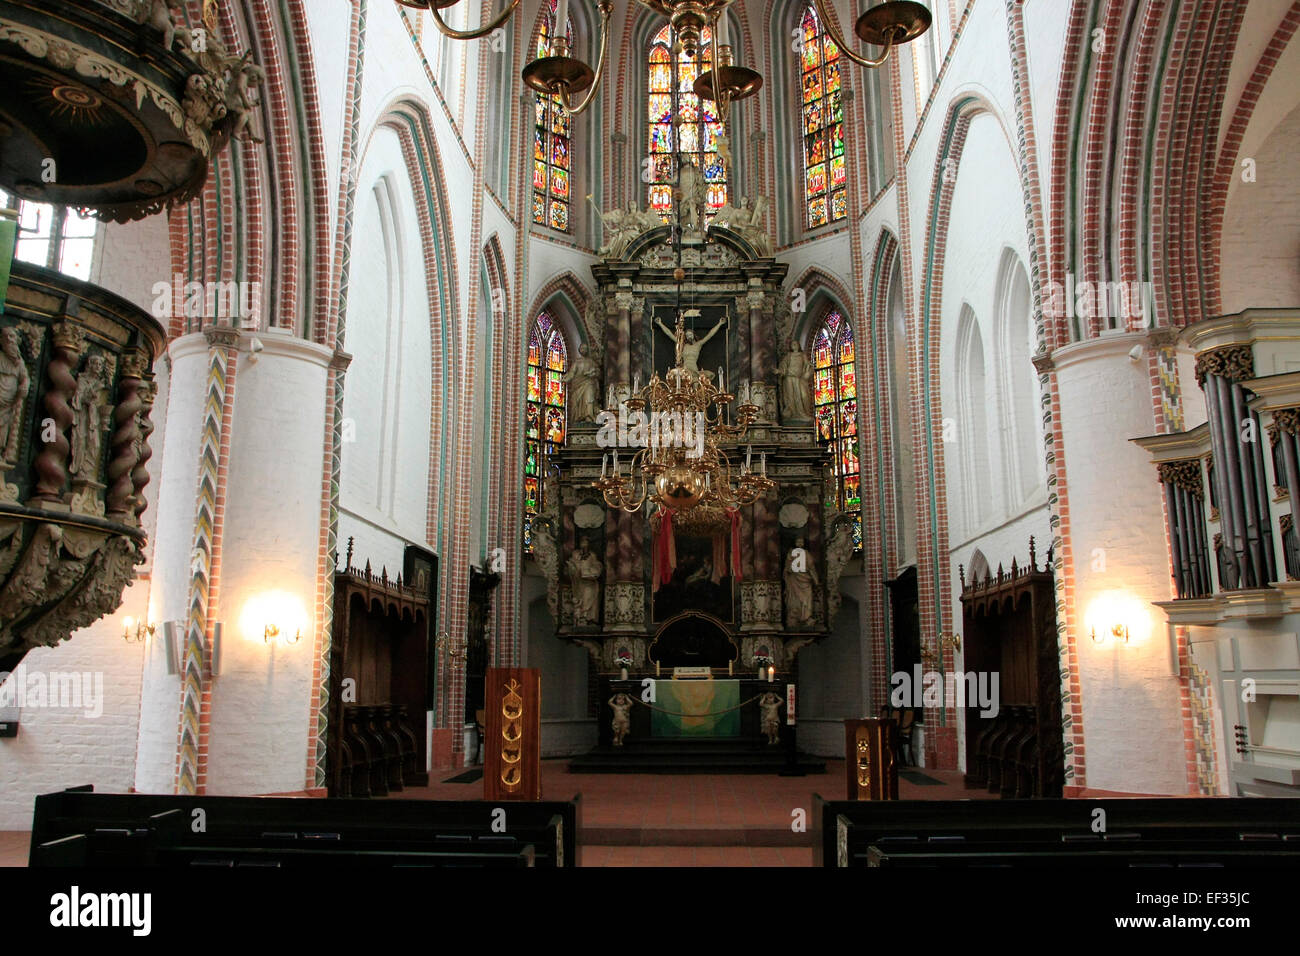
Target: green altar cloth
point(702, 701)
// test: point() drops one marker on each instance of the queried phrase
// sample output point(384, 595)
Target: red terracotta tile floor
point(696, 819)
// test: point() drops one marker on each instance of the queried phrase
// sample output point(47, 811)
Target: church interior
point(721, 432)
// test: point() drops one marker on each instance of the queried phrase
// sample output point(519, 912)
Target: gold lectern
point(870, 745)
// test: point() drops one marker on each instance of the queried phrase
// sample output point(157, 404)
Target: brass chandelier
point(683, 467)
point(886, 25)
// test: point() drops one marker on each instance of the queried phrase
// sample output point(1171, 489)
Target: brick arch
point(1228, 153)
point(934, 585)
point(875, 423)
point(505, 483)
point(817, 285)
point(570, 288)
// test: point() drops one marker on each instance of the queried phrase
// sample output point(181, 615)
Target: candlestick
point(561, 19)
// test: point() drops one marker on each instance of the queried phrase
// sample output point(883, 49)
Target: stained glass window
point(552, 144)
point(681, 126)
point(835, 397)
point(548, 360)
point(822, 119)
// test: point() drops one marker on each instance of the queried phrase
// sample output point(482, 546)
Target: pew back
point(164, 830)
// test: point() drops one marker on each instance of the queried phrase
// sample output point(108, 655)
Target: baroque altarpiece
point(604, 589)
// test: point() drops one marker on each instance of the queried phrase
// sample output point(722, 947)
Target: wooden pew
point(1138, 832)
point(81, 827)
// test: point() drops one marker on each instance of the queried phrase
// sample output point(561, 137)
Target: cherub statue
point(770, 707)
point(239, 99)
point(161, 18)
point(622, 723)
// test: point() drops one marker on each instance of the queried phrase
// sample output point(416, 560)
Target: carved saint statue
point(769, 706)
point(838, 553)
point(692, 197)
point(15, 383)
point(584, 578)
point(796, 385)
point(548, 560)
point(90, 419)
point(688, 349)
point(622, 723)
point(800, 577)
point(584, 387)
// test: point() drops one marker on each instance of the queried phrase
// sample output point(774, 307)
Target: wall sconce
point(133, 631)
point(443, 642)
point(272, 632)
point(952, 640)
point(1118, 631)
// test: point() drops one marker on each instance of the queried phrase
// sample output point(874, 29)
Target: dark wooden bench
point(1220, 832)
point(82, 828)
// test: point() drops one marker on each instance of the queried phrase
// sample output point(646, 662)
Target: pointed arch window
point(680, 124)
point(552, 143)
point(548, 361)
point(835, 402)
point(822, 123)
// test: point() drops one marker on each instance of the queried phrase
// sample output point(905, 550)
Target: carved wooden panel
point(512, 738)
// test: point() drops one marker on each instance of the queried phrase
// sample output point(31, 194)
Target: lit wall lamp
point(272, 632)
point(133, 631)
point(1118, 631)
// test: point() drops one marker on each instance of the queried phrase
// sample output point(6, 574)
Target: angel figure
point(622, 723)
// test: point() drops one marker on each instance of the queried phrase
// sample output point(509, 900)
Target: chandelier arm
point(606, 9)
point(478, 32)
point(844, 48)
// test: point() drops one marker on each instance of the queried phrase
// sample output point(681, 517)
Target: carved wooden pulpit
point(869, 757)
point(512, 737)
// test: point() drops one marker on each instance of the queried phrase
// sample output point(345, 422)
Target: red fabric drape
point(665, 550)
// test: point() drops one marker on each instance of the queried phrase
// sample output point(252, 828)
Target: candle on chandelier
point(636, 383)
point(749, 456)
point(604, 464)
point(615, 462)
point(724, 33)
point(722, 382)
point(763, 463)
point(562, 18)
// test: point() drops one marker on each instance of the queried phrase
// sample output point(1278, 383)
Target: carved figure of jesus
point(688, 348)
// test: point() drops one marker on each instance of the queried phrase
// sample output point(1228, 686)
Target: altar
point(695, 708)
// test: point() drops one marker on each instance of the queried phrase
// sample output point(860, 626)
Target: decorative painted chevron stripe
point(318, 742)
point(193, 666)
